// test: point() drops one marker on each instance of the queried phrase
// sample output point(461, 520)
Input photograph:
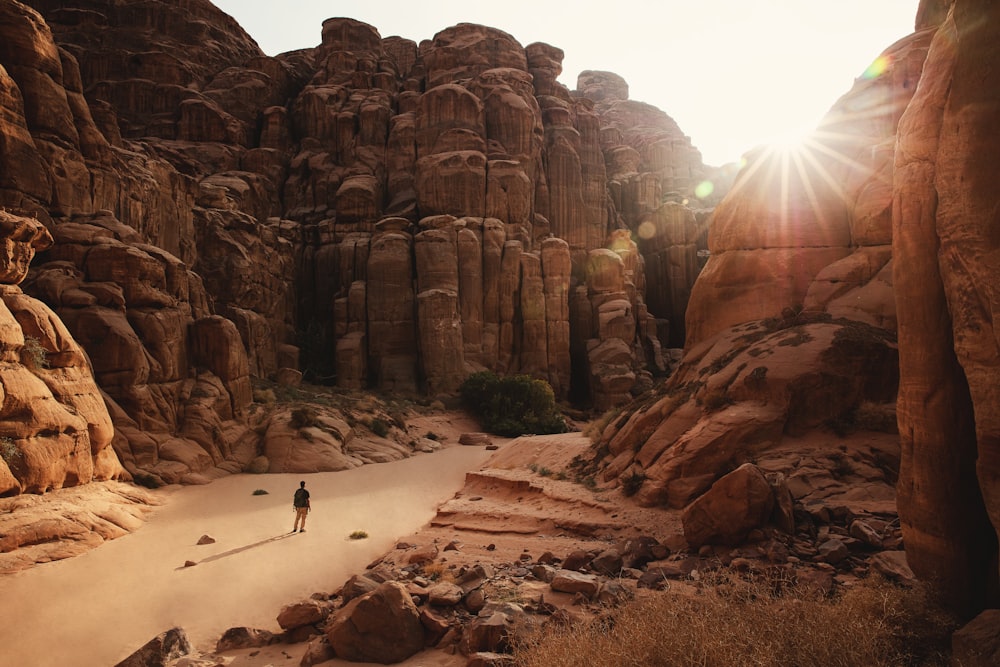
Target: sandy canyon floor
point(95, 609)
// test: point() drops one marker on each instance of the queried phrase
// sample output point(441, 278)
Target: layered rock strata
point(369, 212)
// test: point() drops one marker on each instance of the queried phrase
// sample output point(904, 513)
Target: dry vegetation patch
point(736, 622)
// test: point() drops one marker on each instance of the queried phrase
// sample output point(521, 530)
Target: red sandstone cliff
point(883, 226)
point(370, 212)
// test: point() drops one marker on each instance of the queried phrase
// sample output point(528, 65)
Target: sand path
point(96, 609)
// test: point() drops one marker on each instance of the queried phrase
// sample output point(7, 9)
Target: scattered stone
point(206, 539)
point(444, 594)
point(452, 546)
point(317, 652)
point(170, 645)
point(614, 593)
point(423, 555)
point(569, 581)
point(189, 563)
point(357, 586)
point(475, 600)
point(489, 633)
point(547, 558)
point(832, 551)
point(543, 572)
point(608, 562)
point(435, 625)
point(860, 530)
point(474, 577)
point(299, 614)
point(242, 638)
point(638, 551)
point(475, 439)
point(576, 560)
point(893, 565)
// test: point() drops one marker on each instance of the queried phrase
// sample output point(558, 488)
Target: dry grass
point(439, 572)
point(873, 624)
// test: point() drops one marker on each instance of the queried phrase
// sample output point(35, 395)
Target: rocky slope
point(369, 212)
point(882, 223)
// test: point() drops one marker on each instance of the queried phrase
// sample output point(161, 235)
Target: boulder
point(381, 626)
point(977, 644)
point(160, 650)
point(298, 614)
point(736, 504)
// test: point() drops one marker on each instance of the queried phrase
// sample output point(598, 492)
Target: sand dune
point(96, 609)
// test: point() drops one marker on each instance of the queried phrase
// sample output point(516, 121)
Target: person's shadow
point(237, 550)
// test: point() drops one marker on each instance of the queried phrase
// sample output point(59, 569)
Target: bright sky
point(732, 73)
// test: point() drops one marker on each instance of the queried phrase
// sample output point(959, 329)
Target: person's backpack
point(301, 498)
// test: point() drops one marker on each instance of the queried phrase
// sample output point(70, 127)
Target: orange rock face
point(57, 430)
point(812, 228)
point(406, 214)
point(945, 254)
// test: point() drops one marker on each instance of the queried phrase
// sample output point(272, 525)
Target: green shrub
point(513, 405)
point(379, 427)
point(260, 492)
point(358, 535)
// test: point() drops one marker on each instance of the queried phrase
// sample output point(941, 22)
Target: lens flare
point(878, 67)
point(704, 189)
point(646, 230)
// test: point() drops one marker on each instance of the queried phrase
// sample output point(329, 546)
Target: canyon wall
point(884, 219)
point(370, 212)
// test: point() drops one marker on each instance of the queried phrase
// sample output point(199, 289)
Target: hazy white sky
point(732, 73)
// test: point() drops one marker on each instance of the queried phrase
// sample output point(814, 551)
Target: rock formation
point(884, 220)
point(369, 212)
point(56, 428)
point(945, 240)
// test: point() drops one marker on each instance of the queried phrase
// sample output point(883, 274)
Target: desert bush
point(595, 429)
point(871, 624)
point(33, 354)
point(358, 535)
point(146, 480)
point(512, 405)
point(265, 396)
point(259, 492)
point(439, 571)
point(716, 399)
point(9, 451)
point(303, 417)
point(633, 482)
point(379, 427)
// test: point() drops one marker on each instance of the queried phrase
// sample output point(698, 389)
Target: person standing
point(300, 503)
